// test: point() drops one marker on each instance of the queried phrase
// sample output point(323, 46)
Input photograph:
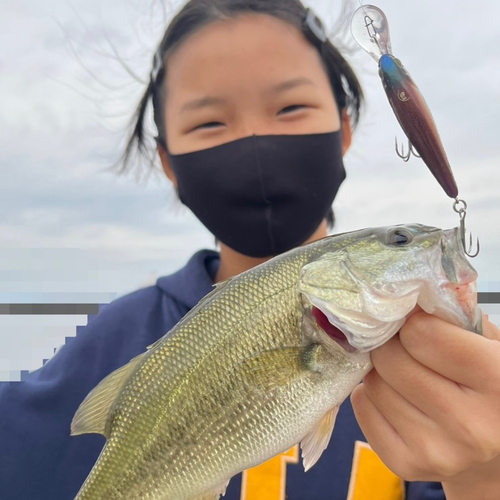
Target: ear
point(346, 132)
point(165, 163)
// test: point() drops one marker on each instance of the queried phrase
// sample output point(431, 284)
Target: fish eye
point(400, 238)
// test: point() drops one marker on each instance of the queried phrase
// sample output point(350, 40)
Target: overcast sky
point(70, 231)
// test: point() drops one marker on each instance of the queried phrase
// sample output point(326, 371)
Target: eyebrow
point(208, 101)
point(203, 103)
point(290, 84)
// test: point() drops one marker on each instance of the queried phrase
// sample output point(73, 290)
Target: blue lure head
point(395, 78)
point(390, 67)
point(388, 64)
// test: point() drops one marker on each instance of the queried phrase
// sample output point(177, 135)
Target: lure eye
point(400, 238)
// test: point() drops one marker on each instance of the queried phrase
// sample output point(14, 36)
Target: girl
point(254, 108)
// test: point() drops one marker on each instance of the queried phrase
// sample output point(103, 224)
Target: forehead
point(250, 50)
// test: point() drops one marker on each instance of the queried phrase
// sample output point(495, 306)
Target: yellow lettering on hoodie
point(370, 477)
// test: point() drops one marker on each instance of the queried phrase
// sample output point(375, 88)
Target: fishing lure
point(370, 29)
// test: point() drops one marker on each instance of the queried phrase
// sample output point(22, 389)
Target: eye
point(400, 238)
point(291, 109)
point(208, 125)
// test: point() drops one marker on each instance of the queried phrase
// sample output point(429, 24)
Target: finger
point(490, 331)
point(383, 438)
point(403, 416)
point(468, 359)
point(426, 455)
point(432, 393)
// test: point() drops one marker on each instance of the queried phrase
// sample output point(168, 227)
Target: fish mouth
point(332, 331)
point(353, 330)
point(460, 280)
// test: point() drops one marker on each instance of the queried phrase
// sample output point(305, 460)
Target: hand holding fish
point(431, 406)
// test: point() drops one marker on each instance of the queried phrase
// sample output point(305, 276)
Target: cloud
point(57, 143)
point(66, 102)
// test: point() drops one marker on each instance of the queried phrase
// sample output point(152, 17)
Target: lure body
point(370, 29)
point(416, 120)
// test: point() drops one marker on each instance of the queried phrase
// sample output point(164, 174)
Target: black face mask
point(262, 195)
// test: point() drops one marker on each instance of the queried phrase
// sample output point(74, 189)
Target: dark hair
point(197, 13)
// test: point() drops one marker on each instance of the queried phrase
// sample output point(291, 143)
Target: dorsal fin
point(154, 344)
point(92, 414)
point(218, 286)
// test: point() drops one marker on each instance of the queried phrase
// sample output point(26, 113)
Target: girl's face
point(252, 75)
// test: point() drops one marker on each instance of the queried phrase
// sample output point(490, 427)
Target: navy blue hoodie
point(39, 460)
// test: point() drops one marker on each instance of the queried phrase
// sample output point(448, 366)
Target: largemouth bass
point(265, 360)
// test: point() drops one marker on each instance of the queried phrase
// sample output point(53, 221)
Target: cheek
point(170, 118)
point(166, 166)
point(332, 116)
point(169, 131)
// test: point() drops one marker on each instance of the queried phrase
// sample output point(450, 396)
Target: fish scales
point(242, 377)
point(186, 354)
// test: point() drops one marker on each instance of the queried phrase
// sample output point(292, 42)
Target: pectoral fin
point(92, 415)
point(317, 440)
point(276, 368)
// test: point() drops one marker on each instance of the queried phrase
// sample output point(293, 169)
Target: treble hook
point(411, 151)
point(462, 212)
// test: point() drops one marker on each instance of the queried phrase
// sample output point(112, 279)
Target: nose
point(253, 123)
